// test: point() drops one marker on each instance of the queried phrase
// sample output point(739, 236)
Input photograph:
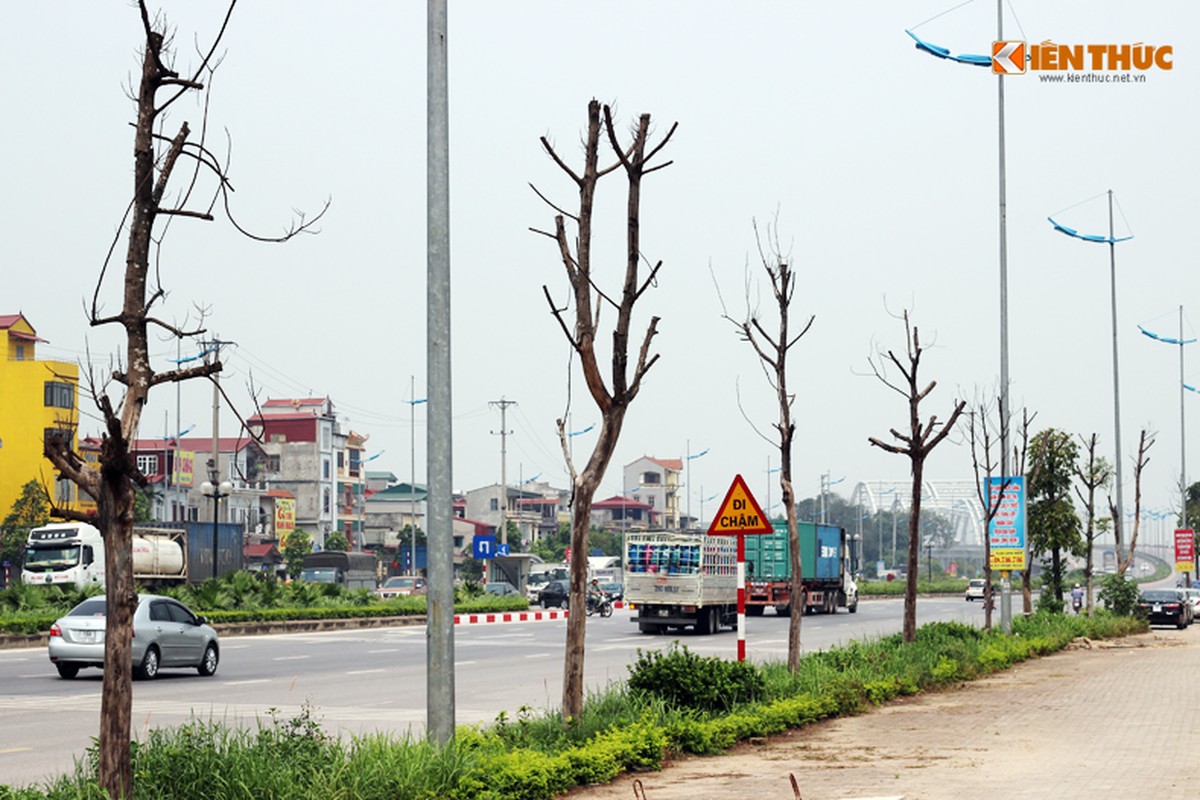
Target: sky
point(876, 163)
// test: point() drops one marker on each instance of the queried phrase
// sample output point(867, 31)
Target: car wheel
point(148, 671)
point(67, 671)
point(208, 664)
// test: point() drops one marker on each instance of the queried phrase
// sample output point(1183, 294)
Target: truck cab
point(64, 553)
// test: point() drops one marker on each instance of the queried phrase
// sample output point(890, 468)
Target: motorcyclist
point(1077, 597)
point(594, 593)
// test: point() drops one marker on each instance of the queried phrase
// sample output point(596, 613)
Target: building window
point(650, 500)
point(273, 464)
point(59, 395)
point(494, 504)
point(63, 491)
point(326, 500)
point(651, 477)
point(325, 468)
point(20, 352)
point(50, 433)
point(147, 464)
point(341, 459)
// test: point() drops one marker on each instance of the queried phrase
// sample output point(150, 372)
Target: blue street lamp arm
point(937, 51)
point(1167, 339)
point(697, 455)
point(1087, 237)
point(584, 430)
point(179, 435)
point(417, 401)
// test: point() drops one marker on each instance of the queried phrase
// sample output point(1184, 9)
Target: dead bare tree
point(916, 445)
point(613, 403)
point(1093, 475)
point(772, 350)
point(157, 160)
point(1145, 442)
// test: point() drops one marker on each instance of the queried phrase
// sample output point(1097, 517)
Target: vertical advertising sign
point(285, 519)
point(185, 467)
point(1185, 549)
point(1006, 533)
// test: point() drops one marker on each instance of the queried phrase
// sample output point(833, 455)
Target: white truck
point(677, 580)
point(72, 553)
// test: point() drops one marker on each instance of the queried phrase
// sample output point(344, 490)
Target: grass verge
point(533, 756)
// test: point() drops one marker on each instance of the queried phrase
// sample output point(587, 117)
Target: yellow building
point(36, 397)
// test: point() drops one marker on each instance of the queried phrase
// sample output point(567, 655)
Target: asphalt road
point(359, 681)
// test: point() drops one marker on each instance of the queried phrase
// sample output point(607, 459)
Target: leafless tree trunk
point(772, 351)
point(1094, 475)
point(581, 334)
point(114, 484)
point(1145, 442)
point(916, 445)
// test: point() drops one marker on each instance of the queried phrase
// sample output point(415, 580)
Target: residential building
point(301, 438)
point(624, 514)
point(37, 399)
point(351, 489)
point(534, 511)
point(390, 510)
point(656, 482)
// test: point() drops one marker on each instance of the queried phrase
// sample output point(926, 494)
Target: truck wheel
point(644, 628)
point(853, 607)
point(148, 670)
point(67, 671)
point(704, 621)
point(783, 611)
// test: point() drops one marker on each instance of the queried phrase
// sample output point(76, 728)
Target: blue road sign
point(484, 547)
point(502, 549)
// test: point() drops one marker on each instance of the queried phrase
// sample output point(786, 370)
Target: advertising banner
point(285, 519)
point(185, 467)
point(1185, 550)
point(1006, 533)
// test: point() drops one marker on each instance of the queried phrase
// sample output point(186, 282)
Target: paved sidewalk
point(1116, 720)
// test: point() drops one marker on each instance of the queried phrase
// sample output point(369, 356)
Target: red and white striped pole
point(741, 596)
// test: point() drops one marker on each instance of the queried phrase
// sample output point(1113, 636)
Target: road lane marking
point(246, 682)
point(289, 658)
point(388, 650)
point(537, 655)
point(463, 663)
point(363, 671)
point(16, 750)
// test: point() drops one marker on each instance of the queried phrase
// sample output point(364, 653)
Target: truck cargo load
point(824, 564)
point(678, 580)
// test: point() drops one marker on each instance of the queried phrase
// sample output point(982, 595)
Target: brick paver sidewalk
point(1116, 720)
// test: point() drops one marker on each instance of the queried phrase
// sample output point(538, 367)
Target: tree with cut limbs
point(772, 350)
point(1145, 442)
point(916, 445)
point(113, 486)
point(576, 254)
point(1053, 523)
point(1092, 474)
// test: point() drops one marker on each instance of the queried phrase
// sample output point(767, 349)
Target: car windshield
point(319, 575)
point(1160, 596)
point(399, 583)
point(41, 558)
point(92, 607)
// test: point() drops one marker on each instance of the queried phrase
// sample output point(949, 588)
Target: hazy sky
point(880, 161)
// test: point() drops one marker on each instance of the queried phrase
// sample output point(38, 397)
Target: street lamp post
point(215, 490)
point(412, 486)
point(1183, 517)
point(1111, 240)
point(690, 457)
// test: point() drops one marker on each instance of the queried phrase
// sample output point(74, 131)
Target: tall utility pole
point(1005, 585)
point(503, 432)
point(1112, 269)
point(439, 636)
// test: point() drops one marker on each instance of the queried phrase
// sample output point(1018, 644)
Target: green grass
point(531, 755)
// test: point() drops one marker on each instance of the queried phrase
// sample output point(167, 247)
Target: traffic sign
point(739, 513)
point(484, 547)
point(502, 549)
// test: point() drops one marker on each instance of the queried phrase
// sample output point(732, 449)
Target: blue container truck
point(828, 584)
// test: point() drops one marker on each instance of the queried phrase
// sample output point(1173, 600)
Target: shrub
point(684, 679)
point(1119, 594)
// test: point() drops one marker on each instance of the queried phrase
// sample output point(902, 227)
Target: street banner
point(1185, 550)
point(1006, 532)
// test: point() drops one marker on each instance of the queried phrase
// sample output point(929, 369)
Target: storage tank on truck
point(678, 580)
point(824, 559)
point(72, 553)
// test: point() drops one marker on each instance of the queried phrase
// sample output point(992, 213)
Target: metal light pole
point(215, 490)
point(1111, 240)
point(413, 401)
point(690, 457)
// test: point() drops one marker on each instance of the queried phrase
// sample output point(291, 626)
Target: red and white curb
point(515, 616)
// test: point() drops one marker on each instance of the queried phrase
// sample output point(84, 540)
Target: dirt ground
point(1015, 734)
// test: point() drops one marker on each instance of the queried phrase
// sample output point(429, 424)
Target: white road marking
point(363, 671)
point(246, 682)
point(289, 658)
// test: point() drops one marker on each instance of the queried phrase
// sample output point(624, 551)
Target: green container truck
point(824, 559)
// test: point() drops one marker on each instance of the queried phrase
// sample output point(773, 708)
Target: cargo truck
point(827, 580)
point(680, 580)
point(72, 553)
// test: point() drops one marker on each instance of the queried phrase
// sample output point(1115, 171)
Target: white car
point(975, 589)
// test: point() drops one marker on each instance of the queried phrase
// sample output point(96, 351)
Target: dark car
point(554, 595)
point(1165, 607)
point(614, 590)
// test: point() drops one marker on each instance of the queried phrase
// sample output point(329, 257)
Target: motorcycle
point(603, 605)
point(1076, 604)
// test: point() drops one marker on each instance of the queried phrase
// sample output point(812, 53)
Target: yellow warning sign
point(739, 513)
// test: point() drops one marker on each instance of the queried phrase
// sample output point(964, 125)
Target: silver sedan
point(165, 634)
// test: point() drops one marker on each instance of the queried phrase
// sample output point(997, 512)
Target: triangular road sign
point(739, 513)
